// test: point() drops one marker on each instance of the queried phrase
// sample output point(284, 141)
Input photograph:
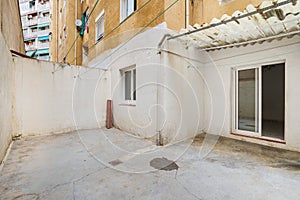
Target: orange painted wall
point(205, 10)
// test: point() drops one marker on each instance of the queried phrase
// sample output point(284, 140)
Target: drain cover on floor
point(163, 164)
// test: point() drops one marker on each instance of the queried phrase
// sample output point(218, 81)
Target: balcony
point(30, 47)
point(30, 34)
point(29, 22)
point(43, 57)
point(43, 45)
point(44, 32)
point(33, 22)
point(31, 10)
point(23, 11)
point(25, 33)
point(25, 23)
point(43, 6)
point(23, 1)
point(43, 20)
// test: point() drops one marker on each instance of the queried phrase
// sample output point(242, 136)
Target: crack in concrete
point(73, 182)
point(186, 189)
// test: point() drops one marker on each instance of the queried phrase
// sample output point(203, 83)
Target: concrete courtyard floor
point(110, 164)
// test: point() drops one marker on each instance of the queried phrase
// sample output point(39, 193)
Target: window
point(99, 23)
point(221, 2)
point(127, 8)
point(130, 84)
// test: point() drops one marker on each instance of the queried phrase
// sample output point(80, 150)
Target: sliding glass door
point(259, 101)
point(247, 101)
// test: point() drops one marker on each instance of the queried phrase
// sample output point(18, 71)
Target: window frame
point(124, 8)
point(133, 81)
point(100, 19)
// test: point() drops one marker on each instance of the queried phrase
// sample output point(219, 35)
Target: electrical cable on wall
point(87, 19)
point(140, 31)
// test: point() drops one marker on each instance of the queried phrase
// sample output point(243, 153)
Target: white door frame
point(258, 99)
point(258, 103)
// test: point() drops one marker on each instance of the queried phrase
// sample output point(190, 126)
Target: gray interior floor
point(272, 129)
point(110, 164)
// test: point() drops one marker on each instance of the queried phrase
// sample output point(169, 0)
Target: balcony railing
point(32, 10)
point(43, 20)
point(25, 33)
point(23, 11)
point(43, 57)
point(30, 47)
point(25, 23)
point(44, 45)
point(43, 6)
point(23, 1)
point(44, 32)
point(30, 34)
point(30, 22)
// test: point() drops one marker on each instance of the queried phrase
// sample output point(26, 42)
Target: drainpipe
point(75, 48)
point(159, 94)
point(162, 41)
point(57, 27)
point(187, 13)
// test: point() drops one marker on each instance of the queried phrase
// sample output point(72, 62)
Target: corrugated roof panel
point(269, 23)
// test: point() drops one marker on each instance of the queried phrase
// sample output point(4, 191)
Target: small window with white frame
point(127, 8)
point(99, 23)
point(129, 76)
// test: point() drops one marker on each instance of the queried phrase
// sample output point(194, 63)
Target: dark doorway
point(273, 100)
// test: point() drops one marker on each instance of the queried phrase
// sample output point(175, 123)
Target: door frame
point(258, 101)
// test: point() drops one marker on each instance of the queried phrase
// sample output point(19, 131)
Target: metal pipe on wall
point(187, 13)
point(57, 27)
point(76, 17)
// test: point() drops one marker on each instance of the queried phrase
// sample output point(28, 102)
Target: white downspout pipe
point(187, 13)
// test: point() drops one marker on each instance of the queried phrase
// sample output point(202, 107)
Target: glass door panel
point(247, 100)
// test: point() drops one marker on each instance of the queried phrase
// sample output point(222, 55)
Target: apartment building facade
point(35, 16)
point(66, 40)
point(80, 27)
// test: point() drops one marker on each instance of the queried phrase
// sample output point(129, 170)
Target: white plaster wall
point(184, 85)
point(6, 88)
point(52, 98)
point(169, 98)
point(258, 54)
point(141, 118)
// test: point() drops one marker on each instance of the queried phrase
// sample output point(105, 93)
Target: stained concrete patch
point(249, 152)
point(115, 162)
point(295, 166)
point(27, 197)
point(163, 164)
